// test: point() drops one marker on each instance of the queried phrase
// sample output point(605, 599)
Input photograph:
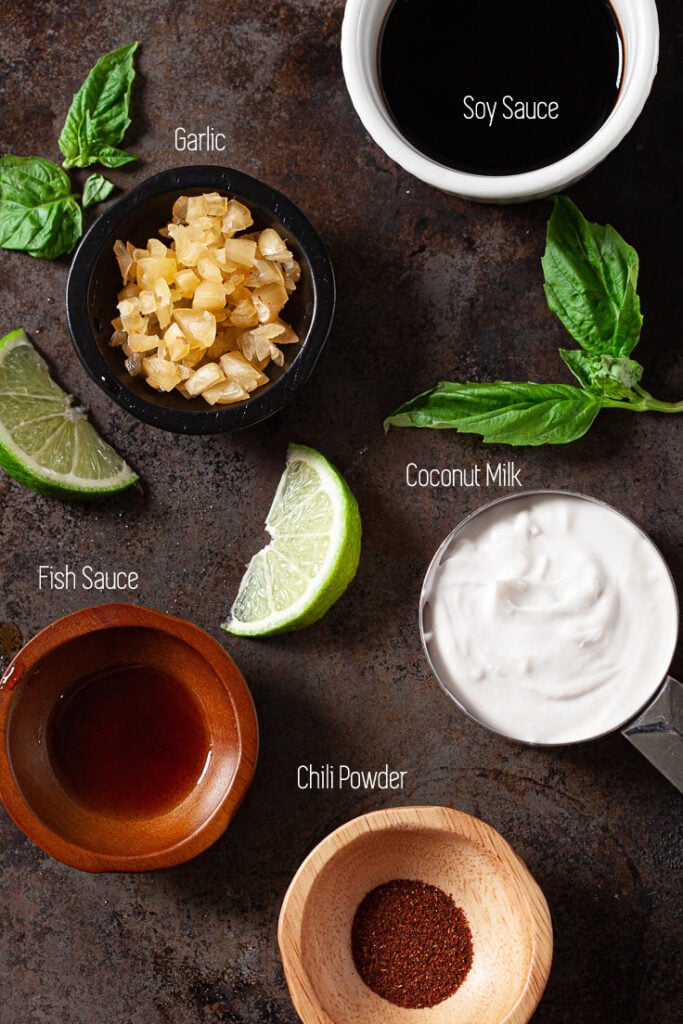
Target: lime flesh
point(312, 557)
point(46, 443)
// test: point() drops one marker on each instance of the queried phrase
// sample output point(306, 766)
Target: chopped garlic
point(202, 313)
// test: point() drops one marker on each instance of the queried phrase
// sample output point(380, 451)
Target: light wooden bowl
point(506, 911)
point(94, 640)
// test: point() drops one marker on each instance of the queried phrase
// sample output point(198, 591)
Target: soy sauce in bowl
point(495, 87)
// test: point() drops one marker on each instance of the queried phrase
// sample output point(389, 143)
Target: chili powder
point(411, 945)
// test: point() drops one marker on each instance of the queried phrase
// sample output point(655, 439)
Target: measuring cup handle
point(658, 732)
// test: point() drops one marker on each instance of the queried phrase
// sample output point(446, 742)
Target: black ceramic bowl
point(94, 282)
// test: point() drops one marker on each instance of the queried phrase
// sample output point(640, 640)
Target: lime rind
point(313, 555)
point(46, 443)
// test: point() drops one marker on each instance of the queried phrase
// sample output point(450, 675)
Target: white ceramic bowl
point(361, 29)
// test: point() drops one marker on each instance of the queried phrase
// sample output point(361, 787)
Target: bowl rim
point(361, 26)
point(422, 818)
point(262, 404)
point(113, 616)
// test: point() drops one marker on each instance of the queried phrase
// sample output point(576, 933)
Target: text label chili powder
point(411, 945)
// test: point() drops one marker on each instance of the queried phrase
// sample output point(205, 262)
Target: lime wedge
point(46, 443)
point(315, 528)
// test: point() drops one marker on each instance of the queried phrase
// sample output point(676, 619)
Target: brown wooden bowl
point(58, 663)
point(506, 911)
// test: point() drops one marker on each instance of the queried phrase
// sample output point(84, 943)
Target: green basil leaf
point(98, 115)
point(111, 157)
point(38, 213)
point(96, 190)
point(580, 364)
point(503, 412)
point(591, 277)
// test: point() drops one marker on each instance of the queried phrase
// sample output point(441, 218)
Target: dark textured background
point(430, 287)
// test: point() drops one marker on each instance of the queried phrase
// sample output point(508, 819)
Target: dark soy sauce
point(443, 64)
point(129, 742)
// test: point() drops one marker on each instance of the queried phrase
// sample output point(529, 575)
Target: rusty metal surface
point(430, 288)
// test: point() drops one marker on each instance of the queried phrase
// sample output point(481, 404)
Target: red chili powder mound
point(411, 945)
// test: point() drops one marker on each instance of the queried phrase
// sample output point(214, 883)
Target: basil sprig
point(38, 212)
point(98, 115)
point(591, 278)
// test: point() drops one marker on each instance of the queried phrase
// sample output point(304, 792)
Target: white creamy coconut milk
point(550, 618)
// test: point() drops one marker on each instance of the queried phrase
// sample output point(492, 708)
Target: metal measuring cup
point(655, 728)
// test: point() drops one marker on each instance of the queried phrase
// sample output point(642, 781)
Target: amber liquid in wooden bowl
point(130, 741)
